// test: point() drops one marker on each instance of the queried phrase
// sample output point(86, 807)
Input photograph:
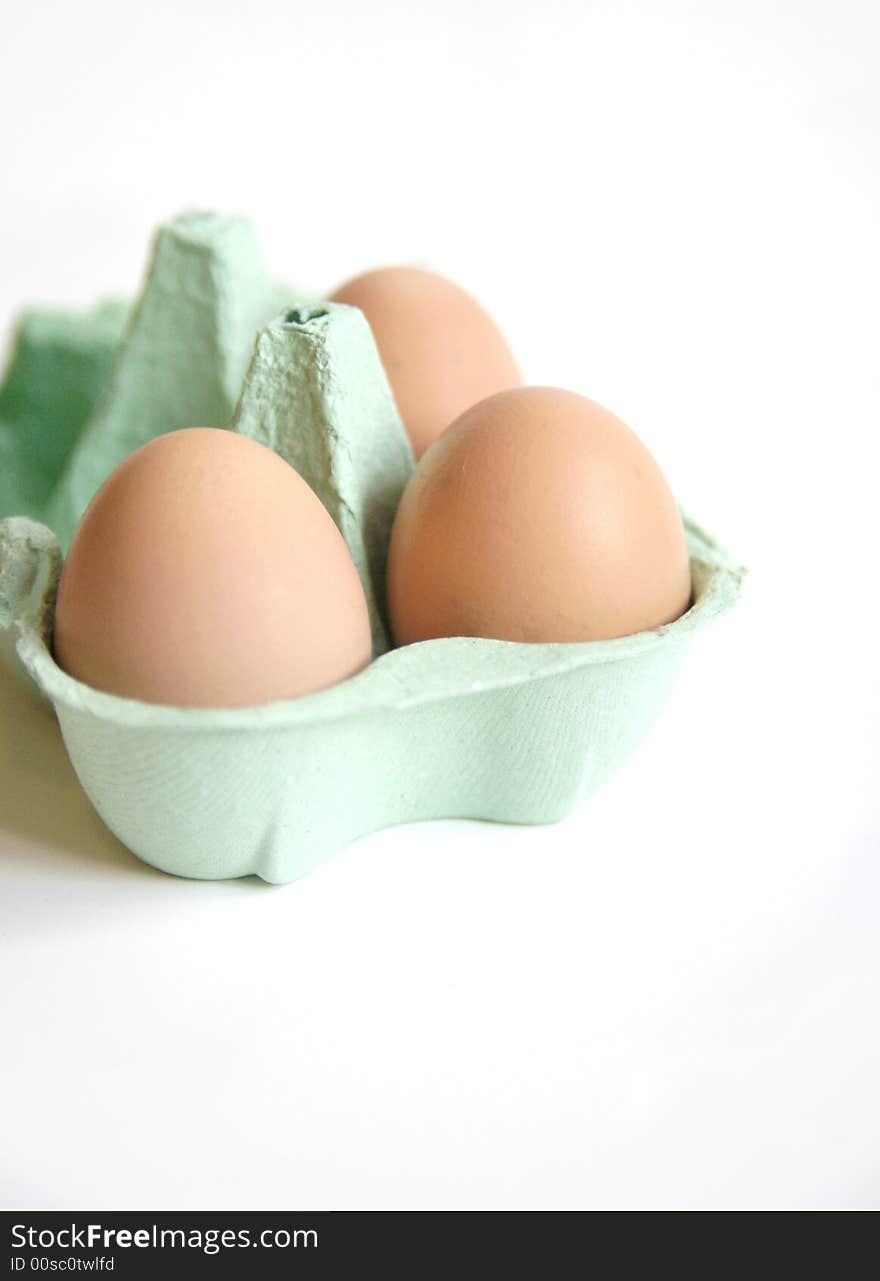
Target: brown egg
point(441, 351)
point(206, 573)
point(538, 516)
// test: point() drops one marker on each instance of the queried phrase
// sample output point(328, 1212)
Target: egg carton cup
point(458, 727)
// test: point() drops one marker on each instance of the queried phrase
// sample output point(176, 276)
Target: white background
point(670, 999)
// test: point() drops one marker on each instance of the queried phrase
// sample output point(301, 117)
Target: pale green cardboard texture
point(59, 365)
point(316, 393)
point(457, 727)
point(184, 355)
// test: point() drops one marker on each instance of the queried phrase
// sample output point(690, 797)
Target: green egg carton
point(459, 727)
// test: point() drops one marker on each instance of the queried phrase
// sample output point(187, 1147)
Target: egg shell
point(206, 573)
point(456, 727)
point(441, 350)
point(537, 516)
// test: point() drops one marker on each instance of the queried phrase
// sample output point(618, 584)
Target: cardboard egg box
point(459, 727)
